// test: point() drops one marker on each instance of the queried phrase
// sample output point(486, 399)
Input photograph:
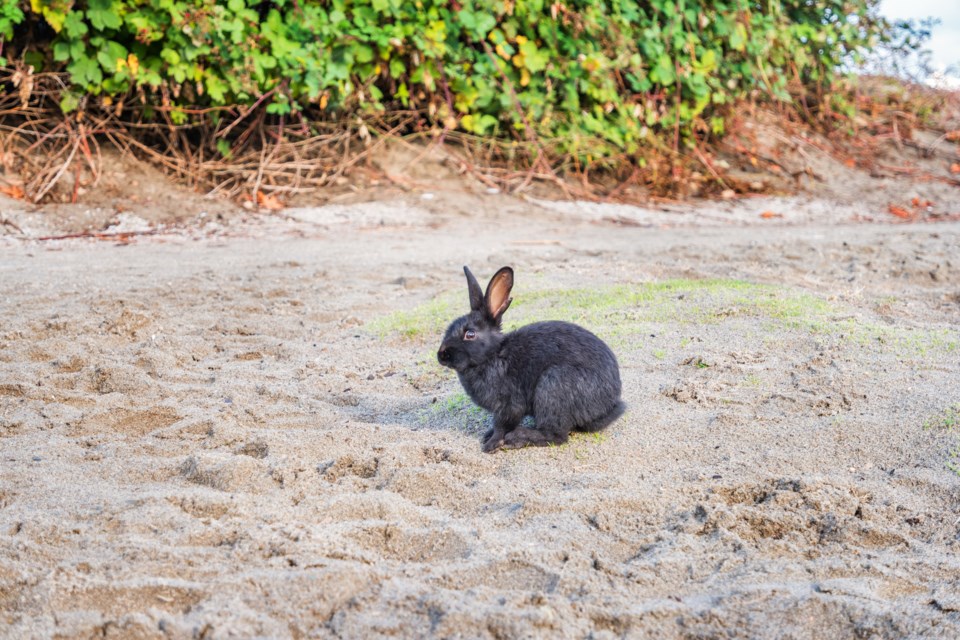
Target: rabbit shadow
point(453, 410)
point(448, 409)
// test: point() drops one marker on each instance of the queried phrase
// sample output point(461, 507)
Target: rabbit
point(561, 374)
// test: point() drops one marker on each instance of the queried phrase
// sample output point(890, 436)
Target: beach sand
point(243, 432)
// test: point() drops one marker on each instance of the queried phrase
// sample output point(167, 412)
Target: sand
point(240, 430)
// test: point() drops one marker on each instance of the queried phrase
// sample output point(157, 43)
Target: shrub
point(595, 77)
point(618, 93)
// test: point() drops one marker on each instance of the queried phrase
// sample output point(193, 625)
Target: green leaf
point(110, 55)
point(280, 108)
point(170, 56)
point(534, 59)
point(61, 51)
point(738, 38)
point(403, 95)
point(177, 115)
point(74, 26)
point(34, 59)
point(223, 147)
point(707, 62)
point(216, 87)
point(363, 54)
point(103, 14)
point(663, 72)
point(85, 72)
point(436, 35)
point(478, 124)
point(477, 24)
point(69, 102)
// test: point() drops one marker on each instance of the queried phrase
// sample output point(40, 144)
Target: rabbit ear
point(498, 293)
point(476, 295)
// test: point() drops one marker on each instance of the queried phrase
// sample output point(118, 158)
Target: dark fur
point(558, 372)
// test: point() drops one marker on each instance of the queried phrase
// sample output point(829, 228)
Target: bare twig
point(100, 235)
point(52, 181)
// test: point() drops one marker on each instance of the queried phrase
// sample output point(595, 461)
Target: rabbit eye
point(469, 334)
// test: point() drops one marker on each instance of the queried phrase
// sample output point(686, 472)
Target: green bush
point(594, 78)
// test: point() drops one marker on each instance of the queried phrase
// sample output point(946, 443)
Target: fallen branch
point(100, 235)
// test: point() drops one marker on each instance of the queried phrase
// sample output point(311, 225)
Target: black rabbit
point(560, 373)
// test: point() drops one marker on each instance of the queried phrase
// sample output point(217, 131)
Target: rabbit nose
point(443, 355)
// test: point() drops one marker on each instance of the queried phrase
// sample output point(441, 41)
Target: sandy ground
point(241, 430)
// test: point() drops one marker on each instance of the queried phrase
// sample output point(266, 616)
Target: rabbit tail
point(606, 420)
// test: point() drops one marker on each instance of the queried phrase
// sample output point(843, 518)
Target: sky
point(945, 41)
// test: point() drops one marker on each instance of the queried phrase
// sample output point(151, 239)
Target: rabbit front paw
point(492, 440)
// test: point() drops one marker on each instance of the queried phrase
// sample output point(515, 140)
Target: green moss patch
point(949, 420)
point(623, 313)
